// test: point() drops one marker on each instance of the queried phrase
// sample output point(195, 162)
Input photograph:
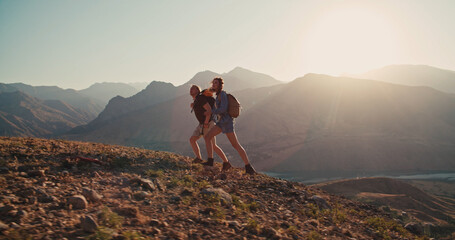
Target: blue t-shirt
point(221, 108)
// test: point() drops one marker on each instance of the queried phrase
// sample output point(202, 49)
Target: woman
point(224, 124)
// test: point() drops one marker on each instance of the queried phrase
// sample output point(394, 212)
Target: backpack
point(208, 95)
point(233, 106)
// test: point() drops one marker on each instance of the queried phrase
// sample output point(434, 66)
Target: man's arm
point(208, 113)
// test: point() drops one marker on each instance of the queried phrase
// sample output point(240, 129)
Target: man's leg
point(208, 140)
point(195, 146)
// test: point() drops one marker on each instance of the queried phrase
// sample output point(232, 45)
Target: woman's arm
point(223, 106)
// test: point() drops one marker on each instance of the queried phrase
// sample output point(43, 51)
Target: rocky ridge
point(55, 189)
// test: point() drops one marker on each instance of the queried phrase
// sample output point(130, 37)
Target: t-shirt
point(199, 109)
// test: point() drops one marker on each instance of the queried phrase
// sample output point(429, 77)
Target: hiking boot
point(226, 166)
point(197, 160)
point(249, 169)
point(209, 162)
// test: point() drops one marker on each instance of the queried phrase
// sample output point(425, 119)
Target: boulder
point(225, 198)
point(89, 224)
point(36, 173)
point(414, 227)
point(321, 202)
point(91, 195)
point(78, 202)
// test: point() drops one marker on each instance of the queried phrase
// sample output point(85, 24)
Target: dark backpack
point(209, 96)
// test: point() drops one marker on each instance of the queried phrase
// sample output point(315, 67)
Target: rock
point(321, 202)
point(47, 199)
point(175, 199)
point(414, 227)
point(145, 183)
point(225, 198)
point(8, 209)
point(159, 185)
point(186, 192)
point(88, 224)
point(154, 222)
point(346, 232)
point(78, 202)
point(270, 233)
point(21, 214)
point(3, 226)
point(15, 225)
point(132, 212)
point(234, 224)
point(223, 176)
point(91, 195)
point(141, 195)
point(313, 222)
point(36, 173)
point(4, 170)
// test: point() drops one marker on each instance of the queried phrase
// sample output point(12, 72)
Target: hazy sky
point(73, 44)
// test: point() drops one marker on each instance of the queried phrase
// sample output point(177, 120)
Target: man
point(202, 107)
point(224, 124)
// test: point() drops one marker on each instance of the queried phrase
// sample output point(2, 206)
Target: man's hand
point(206, 125)
point(191, 105)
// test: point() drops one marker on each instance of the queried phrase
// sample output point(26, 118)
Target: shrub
point(110, 219)
point(383, 226)
point(133, 235)
point(102, 233)
point(154, 173)
point(314, 236)
point(252, 225)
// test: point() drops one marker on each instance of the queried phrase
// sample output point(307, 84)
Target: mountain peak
point(239, 70)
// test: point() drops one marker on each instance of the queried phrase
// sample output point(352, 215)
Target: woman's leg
point(218, 150)
point(235, 143)
point(208, 140)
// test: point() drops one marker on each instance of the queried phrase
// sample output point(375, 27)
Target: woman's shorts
point(226, 127)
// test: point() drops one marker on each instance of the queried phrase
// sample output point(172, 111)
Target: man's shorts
point(226, 127)
point(201, 131)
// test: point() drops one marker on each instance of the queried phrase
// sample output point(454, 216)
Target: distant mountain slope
point(326, 123)
point(396, 194)
point(166, 125)
point(157, 92)
point(415, 75)
point(315, 123)
point(92, 106)
point(23, 115)
point(139, 86)
point(107, 90)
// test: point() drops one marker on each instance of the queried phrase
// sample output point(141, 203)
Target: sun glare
point(350, 40)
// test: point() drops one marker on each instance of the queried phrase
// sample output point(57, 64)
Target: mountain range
point(23, 115)
point(414, 75)
point(43, 111)
point(314, 123)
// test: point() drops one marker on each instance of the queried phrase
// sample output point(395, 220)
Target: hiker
point(203, 102)
point(224, 124)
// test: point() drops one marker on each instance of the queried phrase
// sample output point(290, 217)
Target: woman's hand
point(191, 105)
